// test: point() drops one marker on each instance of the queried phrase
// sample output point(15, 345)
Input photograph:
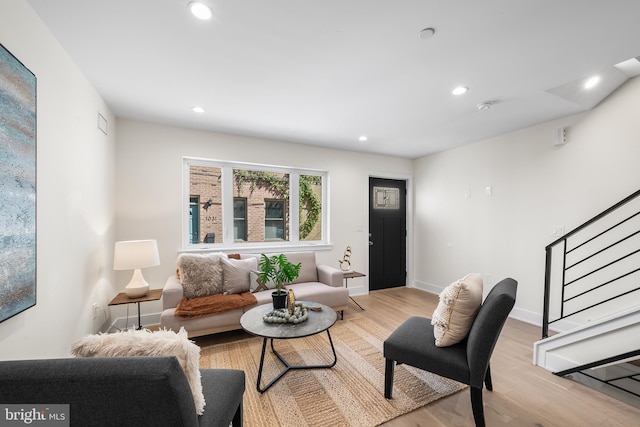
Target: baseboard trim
point(131, 322)
point(358, 290)
point(433, 289)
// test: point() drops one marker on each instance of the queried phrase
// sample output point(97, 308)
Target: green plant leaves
point(278, 269)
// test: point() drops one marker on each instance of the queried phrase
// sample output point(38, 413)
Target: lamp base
point(137, 287)
point(136, 292)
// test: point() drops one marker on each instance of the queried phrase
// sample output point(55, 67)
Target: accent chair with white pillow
point(415, 342)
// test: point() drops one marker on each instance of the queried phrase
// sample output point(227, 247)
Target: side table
point(123, 298)
point(351, 275)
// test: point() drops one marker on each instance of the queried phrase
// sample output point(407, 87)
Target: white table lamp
point(135, 255)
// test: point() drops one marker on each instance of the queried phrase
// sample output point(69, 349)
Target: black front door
point(387, 233)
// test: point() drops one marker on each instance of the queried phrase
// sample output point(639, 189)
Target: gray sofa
point(317, 283)
point(123, 391)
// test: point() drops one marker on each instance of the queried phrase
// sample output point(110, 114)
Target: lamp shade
point(134, 254)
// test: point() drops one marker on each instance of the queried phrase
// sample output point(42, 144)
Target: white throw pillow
point(457, 309)
point(200, 274)
point(236, 274)
point(146, 343)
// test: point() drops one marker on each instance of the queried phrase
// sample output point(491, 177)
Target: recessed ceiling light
point(198, 109)
point(591, 82)
point(363, 138)
point(200, 10)
point(460, 90)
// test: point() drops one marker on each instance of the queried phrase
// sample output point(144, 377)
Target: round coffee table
point(318, 321)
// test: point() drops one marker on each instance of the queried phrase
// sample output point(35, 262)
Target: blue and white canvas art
point(17, 186)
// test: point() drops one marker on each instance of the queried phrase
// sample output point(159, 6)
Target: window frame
point(227, 241)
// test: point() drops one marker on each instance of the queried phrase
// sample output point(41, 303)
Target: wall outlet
point(95, 310)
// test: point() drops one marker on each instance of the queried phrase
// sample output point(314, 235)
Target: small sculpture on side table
point(345, 262)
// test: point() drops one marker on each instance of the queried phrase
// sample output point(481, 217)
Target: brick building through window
point(261, 204)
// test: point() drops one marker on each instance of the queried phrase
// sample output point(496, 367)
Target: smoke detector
point(426, 33)
point(485, 105)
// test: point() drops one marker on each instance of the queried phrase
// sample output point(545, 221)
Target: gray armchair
point(413, 343)
point(124, 391)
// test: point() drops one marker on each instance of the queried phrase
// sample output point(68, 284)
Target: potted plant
point(280, 271)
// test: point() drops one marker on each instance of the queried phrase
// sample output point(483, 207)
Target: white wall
point(535, 187)
point(75, 196)
point(149, 189)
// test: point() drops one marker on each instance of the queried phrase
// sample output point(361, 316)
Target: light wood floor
point(523, 394)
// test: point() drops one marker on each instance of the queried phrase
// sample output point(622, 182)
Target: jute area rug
point(349, 394)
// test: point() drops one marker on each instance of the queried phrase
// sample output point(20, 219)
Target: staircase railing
point(624, 379)
point(600, 263)
point(597, 363)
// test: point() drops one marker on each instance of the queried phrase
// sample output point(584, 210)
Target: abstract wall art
point(17, 186)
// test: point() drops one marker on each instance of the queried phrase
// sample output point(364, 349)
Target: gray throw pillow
point(200, 274)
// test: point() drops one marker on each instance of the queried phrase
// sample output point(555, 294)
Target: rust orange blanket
point(212, 304)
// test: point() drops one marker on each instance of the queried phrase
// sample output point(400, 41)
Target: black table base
point(287, 366)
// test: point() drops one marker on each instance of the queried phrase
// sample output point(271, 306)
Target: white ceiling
point(325, 72)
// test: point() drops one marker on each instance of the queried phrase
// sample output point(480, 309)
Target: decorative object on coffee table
point(135, 255)
point(299, 314)
point(280, 271)
point(291, 301)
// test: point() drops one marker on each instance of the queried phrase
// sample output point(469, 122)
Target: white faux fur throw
point(147, 343)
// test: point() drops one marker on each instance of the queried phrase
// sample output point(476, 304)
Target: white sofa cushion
point(308, 270)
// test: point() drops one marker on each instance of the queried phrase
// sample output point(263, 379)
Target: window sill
point(258, 248)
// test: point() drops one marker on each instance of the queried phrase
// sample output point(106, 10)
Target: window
point(261, 188)
point(234, 204)
point(240, 219)
point(274, 220)
point(310, 198)
point(194, 219)
point(205, 207)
